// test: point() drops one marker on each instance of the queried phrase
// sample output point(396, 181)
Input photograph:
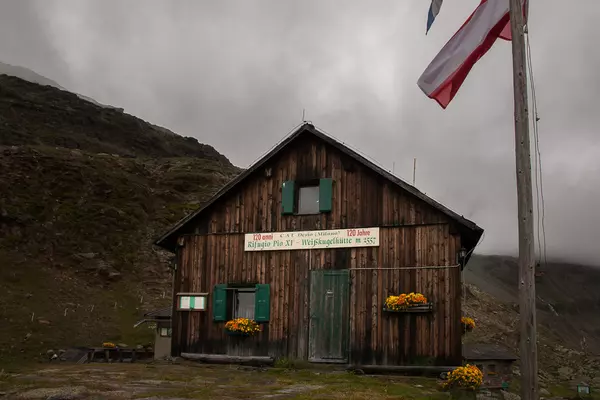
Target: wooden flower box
point(237, 333)
point(419, 308)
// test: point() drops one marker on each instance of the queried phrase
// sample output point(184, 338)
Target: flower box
point(242, 327)
point(236, 333)
point(403, 303)
point(417, 308)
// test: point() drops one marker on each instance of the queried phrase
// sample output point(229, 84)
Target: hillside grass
point(43, 308)
point(76, 229)
point(85, 190)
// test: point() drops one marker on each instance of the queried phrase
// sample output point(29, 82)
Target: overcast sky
point(237, 75)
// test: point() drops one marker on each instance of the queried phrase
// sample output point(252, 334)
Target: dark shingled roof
point(469, 229)
point(160, 313)
point(487, 351)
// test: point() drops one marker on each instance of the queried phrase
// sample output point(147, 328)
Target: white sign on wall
point(192, 302)
point(304, 240)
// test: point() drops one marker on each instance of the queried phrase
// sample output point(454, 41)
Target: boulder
point(565, 373)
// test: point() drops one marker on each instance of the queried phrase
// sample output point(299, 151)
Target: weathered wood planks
point(376, 337)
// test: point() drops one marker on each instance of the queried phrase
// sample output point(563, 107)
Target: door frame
point(347, 330)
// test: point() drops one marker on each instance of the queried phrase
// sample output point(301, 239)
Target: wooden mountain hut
point(309, 243)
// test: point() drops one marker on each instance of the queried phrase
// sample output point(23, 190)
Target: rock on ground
point(60, 393)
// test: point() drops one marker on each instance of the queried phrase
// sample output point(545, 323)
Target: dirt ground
point(196, 381)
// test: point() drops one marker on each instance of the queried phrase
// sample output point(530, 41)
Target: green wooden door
point(329, 316)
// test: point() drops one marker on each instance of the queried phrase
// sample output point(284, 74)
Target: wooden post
point(528, 334)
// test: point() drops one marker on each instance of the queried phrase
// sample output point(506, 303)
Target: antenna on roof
point(414, 169)
point(303, 112)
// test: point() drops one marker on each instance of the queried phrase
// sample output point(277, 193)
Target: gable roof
point(472, 231)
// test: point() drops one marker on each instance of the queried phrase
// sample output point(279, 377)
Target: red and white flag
point(448, 70)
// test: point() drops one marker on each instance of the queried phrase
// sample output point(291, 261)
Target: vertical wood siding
point(412, 234)
point(361, 198)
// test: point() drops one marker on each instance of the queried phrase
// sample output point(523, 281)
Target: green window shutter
point(220, 302)
point(287, 197)
point(262, 305)
point(325, 194)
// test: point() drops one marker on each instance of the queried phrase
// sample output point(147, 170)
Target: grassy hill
point(85, 190)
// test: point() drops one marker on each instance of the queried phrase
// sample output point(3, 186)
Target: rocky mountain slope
point(568, 305)
point(31, 114)
point(31, 76)
point(83, 192)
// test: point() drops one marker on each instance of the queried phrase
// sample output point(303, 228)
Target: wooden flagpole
point(528, 334)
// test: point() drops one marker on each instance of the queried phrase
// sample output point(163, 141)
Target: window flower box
point(407, 303)
point(241, 327)
point(237, 333)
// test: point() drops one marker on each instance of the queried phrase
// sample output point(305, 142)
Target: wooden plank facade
point(323, 305)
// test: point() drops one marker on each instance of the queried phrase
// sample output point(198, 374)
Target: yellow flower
point(242, 325)
point(467, 377)
point(468, 324)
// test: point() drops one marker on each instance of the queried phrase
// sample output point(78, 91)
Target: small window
point(308, 197)
point(252, 302)
point(242, 303)
point(308, 200)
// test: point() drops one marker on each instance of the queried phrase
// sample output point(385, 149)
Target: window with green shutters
point(306, 198)
point(252, 302)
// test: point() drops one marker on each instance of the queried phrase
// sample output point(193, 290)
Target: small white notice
point(184, 302)
point(198, 303)
point(189, 302)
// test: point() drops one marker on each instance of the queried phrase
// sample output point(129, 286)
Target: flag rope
point(540, 204)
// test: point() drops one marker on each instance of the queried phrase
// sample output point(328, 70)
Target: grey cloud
point(24, 41)
point(237, 74)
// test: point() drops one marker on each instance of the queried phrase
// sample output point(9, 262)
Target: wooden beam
point(225, 359)
point(528, 340)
